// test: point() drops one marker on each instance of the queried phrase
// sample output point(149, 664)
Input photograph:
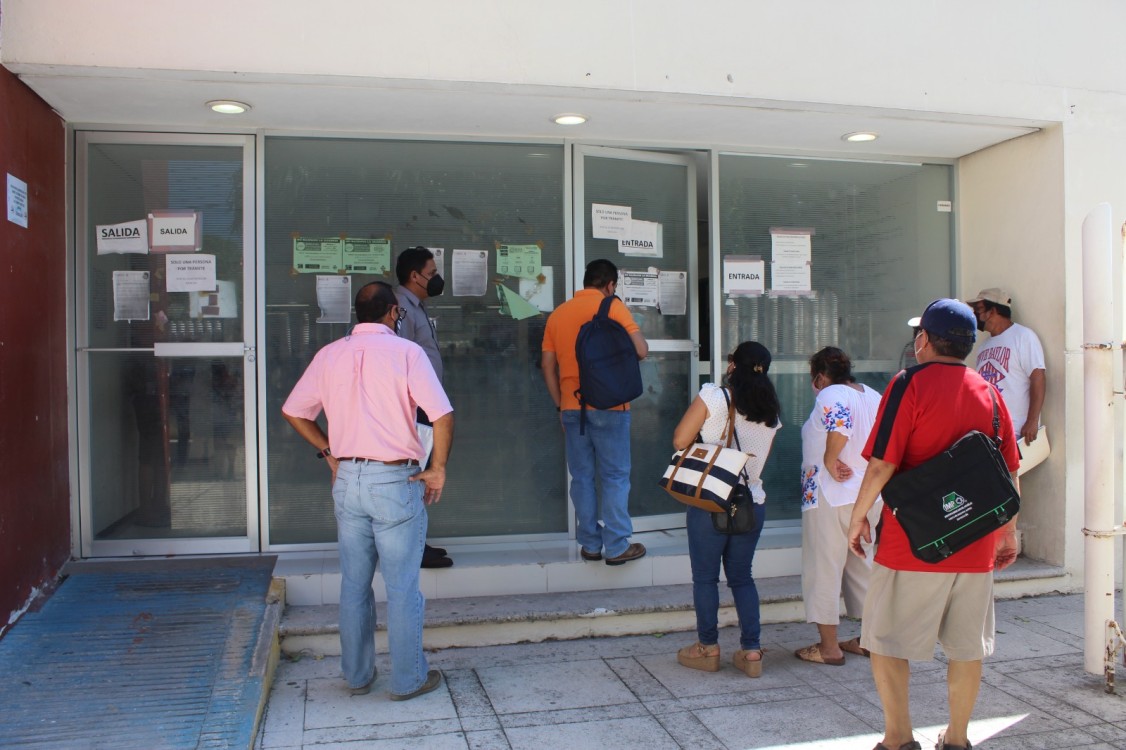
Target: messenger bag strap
point(731, 428)
point(996, 417)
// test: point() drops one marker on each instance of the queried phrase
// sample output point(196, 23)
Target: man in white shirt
point(1012, 359)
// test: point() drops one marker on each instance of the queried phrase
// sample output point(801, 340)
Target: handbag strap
point(731, 427)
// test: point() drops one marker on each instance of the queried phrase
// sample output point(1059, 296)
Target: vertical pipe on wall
point(1098, 431)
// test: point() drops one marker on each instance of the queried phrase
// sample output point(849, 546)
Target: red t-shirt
point(941, 403)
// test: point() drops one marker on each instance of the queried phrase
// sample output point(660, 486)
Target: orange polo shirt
point(563, 329)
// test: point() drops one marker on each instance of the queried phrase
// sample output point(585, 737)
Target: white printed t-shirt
point(842, 409)
point(1008, 360)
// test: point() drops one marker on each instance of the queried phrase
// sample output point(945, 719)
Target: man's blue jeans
point(380, 517)
point(602, 451)
point(707, 548)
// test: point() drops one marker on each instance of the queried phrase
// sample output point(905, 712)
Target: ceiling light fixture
point(569, 118)
point(228, 106)
point(862, 136)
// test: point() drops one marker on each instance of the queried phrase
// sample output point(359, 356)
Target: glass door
point(164, 322)
point(657, 260)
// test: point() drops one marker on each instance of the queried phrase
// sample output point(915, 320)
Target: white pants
point(828, 569)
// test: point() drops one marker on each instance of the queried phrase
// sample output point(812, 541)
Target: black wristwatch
point(326, 452)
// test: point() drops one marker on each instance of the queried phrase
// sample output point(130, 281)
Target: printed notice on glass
point(222, 303)
point(334, 297)
point(790, 276)
point(638, 288)
point(610, 222)
point(128, 237)
point(439, 260)
point(646, 239)
point(311, 255)
point(744, 275)
point(470, 272)
point(175, 231)
point(130, 295)
point(189, 273)
point(367, 255)
point(791, 244)
point(672, 292)
point(538, 291)
point(17, 201)
point(522, 261)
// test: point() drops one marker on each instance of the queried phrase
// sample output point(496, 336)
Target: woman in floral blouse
point(832, 470)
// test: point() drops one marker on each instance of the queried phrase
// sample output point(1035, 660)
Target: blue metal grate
point(138, 655)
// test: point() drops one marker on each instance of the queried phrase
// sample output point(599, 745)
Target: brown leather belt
point(396, 462)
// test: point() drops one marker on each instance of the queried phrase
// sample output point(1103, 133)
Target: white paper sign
point(128, 237)
point(222, 303)
point(791, 245)
point(638, 288)
point(334, 297)
point(130, 295)
point(540, 295)
point(646, 238)
point(672, 292)
point(174, 231)
point(744, 275)
point(470, 272)
point(189, 273)
point(610, 222)
point(790, 276)
point(17, 201)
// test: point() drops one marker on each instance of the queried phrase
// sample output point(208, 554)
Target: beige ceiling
point(176, 100)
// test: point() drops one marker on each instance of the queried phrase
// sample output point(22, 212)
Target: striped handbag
point(704, 475)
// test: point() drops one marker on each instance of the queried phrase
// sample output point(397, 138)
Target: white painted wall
point(1007, 58)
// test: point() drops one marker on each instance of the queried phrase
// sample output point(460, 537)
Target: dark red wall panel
point(34, 485)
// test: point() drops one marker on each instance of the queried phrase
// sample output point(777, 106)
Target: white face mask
point(917, 349)
point(813, 387)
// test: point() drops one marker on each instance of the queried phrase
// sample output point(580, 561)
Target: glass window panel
point(881, 251)
point(654, 416)
point(168, 459)
point(506, 473)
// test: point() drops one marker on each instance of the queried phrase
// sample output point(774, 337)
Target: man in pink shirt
point(369, 384)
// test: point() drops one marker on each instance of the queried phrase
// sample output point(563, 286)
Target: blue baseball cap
point(950, 319)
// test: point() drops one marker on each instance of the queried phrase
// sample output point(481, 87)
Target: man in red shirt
point(604, 449)
point(912, 604)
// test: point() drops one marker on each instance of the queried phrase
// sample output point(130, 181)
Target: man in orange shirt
point(604, 449)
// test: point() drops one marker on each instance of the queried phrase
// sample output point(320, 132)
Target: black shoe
point(941, 744)
point(437, 562)
point(428, 551)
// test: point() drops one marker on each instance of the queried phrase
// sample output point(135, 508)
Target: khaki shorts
point(906, 612)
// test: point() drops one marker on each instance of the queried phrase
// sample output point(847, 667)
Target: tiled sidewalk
point(629, 692)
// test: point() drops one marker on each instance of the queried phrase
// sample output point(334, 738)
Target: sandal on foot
point(749, 667)
point(941, 744)
point(813, 655)
point(852, 646)
point(912, 745)
point(699, 656)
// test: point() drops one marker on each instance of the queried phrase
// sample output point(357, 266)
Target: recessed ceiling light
point(569, 118)
point(228, 106)
point(860, 137)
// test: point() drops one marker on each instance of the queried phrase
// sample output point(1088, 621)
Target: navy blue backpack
point(609, 370)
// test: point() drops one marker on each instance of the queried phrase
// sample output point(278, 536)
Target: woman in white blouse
point(756, 421)
point(832, 469)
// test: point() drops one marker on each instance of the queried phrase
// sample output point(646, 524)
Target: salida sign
point(175, 231)
point(130, 237)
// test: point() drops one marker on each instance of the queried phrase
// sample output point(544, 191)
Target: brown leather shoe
point(590, 556)
point(632, 552)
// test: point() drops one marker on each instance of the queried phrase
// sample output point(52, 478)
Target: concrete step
point(517, 618)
